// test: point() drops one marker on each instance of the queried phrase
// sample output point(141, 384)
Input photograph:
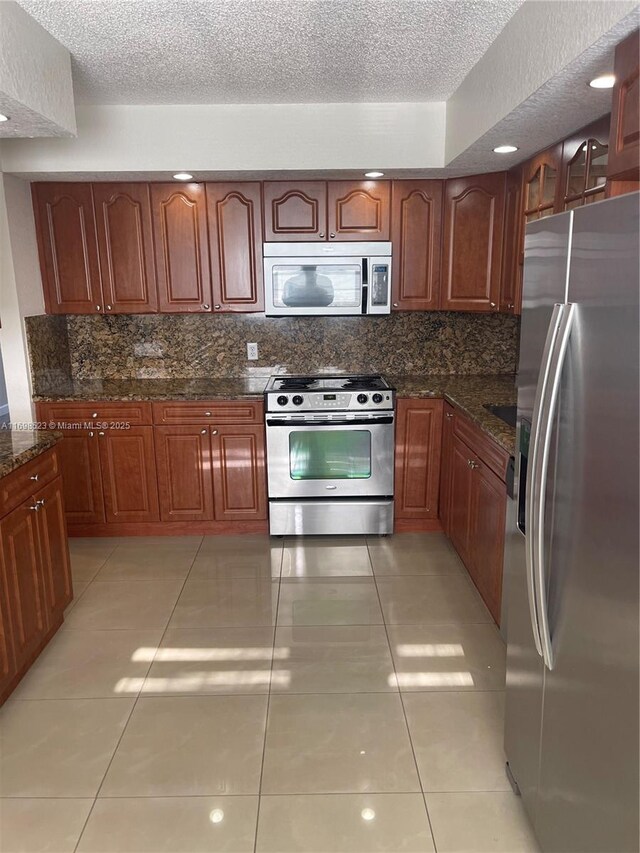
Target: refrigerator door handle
point(548, 414)
point(533, 484)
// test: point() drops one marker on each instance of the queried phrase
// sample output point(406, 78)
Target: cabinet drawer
point(487, 450)
point(135, 414)
point(22, 483)
point(207, 413)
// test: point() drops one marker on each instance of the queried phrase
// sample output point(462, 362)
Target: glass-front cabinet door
point(584, 170)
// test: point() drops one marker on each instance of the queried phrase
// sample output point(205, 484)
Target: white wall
point(231, 137)
point(541, 39)
point(21, 292)
point(35, 76)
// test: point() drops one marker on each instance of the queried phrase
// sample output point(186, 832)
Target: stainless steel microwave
point(335, 278)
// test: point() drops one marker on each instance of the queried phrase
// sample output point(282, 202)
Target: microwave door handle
point(532, 485)
point(567, 314)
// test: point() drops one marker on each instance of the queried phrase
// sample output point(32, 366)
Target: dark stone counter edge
point(15, 459)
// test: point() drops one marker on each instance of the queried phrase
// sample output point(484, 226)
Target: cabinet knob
point(214, 432)
point(332, 234)
point(492, 304)
point(35, 507)
point(90, 433)
point(35, 477)
point(448, 415)
point(206, 306)
point(395, 304)
point(321, 234)
point(217, 307)
point(94, 415)
point(207, 414)
point(101, 432)
point(473, 464)
point(203, 432)
point(97, 308)
point(108, 307)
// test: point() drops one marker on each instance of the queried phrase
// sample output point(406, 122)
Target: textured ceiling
point(270, 51)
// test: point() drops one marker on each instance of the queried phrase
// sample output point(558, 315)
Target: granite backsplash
point(199, 345)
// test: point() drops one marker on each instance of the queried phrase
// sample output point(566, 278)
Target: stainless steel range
point(330, 443)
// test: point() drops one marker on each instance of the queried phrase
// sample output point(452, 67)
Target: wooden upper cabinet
point(67, 246)
point(542, 194)
point(181, 244)
point(125, 245)
point(235, 240)
point(584, 165)
point(624, 140)
point(295, 211)
point(416, 221)
point(472, 242)
point(359, 210)
point(417, 464)
point(512, 246)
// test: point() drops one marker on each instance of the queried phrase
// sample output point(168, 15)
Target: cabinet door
point(624, 141)
point(416, 220)
point(81, 479)
point(182, 253)
point(417, 465)
point(513, 247)
point(235, 239)
point(473, 222)
point(27, 604)
point(128, 468)
point(460, 498)
point(487, 523)
point(185, 482)
point(125, 245)
point(541, 187)
point(446, 467)
point(359, 210)
point(583, 173)
point(239, 476)
point(66, 232)
point(295, 211)
point(8, 667)
point(54, 549)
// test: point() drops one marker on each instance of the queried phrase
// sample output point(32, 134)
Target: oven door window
point(317, 286)
point(330, 455)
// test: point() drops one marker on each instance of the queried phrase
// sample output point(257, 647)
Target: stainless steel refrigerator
point(572, 552)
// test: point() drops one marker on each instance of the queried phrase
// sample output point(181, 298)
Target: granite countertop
point(19, 446)
point(224, 388)
point(470, 394)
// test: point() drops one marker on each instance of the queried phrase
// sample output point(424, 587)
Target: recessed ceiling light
point(182, 176)
point(605, 81)
point(4, 117)
point(505, 149)
point(373, 174)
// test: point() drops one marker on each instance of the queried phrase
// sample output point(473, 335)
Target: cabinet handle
point(214, 432)
point(97, 307)
point(203, 432)
point(448, 415)
point(36, 506)
point(206, 306)
point(35, 477)
point(207, 414)
point(94, 415)
point(217, 307)
point(332, 234)
point(473, 464)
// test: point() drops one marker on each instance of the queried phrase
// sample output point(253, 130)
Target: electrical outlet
point(252, 352)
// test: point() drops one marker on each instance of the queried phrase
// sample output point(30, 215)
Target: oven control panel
point(319, 401)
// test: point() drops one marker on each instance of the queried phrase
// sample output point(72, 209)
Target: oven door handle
point(346, 422)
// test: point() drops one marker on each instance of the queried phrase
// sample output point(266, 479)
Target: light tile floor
point(256, 695)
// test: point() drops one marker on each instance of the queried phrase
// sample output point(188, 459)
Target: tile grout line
point(266, 718)
point(135, 701)
point(404, 712)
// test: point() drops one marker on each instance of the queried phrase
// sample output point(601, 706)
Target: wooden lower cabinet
point(476, 513)
point(82, 480)
point(35, 572)
point(185, 480)
point(417, 463)
point(128, 466)
point(445, 466)
point(239, 473)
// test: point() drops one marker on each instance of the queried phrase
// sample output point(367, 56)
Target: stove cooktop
point(359, 382)
point(319, 393)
